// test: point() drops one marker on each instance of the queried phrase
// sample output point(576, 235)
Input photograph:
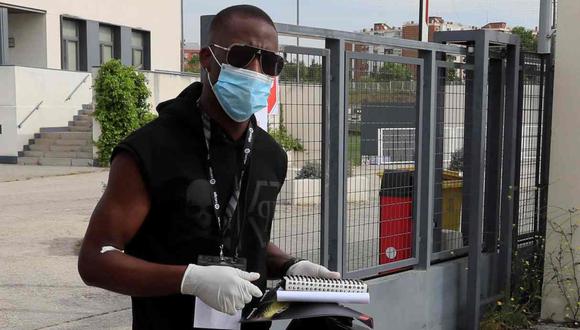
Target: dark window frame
point(145, 50)
point(66, 40)
point(114, 43)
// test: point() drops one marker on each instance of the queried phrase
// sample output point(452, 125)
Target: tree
point(529, 41)
point(192, 65)
point(393, 72)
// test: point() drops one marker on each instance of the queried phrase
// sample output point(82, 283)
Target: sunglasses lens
point(272, 63)
point(240, 56)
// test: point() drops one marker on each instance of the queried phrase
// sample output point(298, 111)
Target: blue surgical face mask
point(241, 92)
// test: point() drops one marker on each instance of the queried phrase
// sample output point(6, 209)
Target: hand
point(307, 268)
point(223, 288)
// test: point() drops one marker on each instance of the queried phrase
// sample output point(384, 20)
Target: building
point(497, 26)
point(564, 182)
point(49, 51)
point(79, 35)
point(190, 49)
point(410, 31)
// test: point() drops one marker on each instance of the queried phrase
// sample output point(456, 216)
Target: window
point(396, 145)
point(137, 49)
point(70, 45)
point(106, 43)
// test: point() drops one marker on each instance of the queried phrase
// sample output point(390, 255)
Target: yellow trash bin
point(452, 199)
point(452, 187)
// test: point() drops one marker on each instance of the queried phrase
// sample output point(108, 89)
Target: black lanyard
point(224, 223)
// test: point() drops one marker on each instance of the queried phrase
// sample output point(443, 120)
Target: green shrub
point(456, 163)
point(121, 105)
point(285, 140)
point(310, 170)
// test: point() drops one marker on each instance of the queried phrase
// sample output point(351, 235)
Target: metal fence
point(450, 238)
point(534, 125)
point(381, 148)
point(407, 160)
point(298, 126)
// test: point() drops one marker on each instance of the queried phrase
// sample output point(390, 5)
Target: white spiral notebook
point(313, 289)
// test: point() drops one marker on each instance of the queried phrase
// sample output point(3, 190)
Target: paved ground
point(22, 172)
point(44, 214)
point(42, 221)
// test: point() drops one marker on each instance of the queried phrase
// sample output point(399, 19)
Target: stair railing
point(30, 114)
point(77, 88)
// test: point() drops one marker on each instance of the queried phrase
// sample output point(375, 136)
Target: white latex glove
point(226, 289)
point(307, 268)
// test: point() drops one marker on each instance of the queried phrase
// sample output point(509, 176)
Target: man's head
point(242, 24)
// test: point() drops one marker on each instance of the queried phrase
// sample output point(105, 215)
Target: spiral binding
point(309, 283)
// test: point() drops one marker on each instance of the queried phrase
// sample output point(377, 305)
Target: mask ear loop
point(216, 60)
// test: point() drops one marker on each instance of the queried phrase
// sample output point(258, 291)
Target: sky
point(354, 15)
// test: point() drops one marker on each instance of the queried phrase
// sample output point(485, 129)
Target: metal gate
point(534, 125)
point(299, 126)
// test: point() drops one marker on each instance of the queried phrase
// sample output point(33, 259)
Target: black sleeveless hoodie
point(181, 225)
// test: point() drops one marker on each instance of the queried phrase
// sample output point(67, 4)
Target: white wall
point(162, 18)
point(25, 88)
point(29, 33)
point(166, 85)
point(7, 111)
point(564, 187)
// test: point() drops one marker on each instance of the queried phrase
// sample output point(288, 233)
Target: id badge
point(207, 317)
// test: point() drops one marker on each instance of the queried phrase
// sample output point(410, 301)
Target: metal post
point(335, 135)
point(205, 23)
point(424, 20)
point(510, 160)
point(424, 186)
point(3, 36)
point(297, 41)
point(474, 177)
point(439, 150)
point(181, 41)
point(493, 152)
point(545, 29)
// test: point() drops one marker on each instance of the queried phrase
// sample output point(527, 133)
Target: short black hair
point(244, 11)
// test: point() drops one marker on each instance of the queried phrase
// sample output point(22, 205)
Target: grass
point(353, 151)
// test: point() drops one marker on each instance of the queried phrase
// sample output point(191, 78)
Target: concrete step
point(65, 154)
point(60, 148)
point(38, 147)
point(54, 129)
point(88, 106)
point(28, 161)
point(39, 141)
point(59, 154)
point(55, 161)
point(71, 148)
point(85, 112)
point(67, 135)
point(80, 129)
point(30, 153)
point(83, 123)
point(62, 142)
point(83, 117)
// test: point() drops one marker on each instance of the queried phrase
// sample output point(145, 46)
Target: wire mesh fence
point(452, 94)
point(380, 162)
point(533, 75)
point(298, 129)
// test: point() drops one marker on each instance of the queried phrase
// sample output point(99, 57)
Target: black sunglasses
point(240, 56)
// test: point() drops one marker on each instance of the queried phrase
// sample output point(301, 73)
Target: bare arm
point(276, 260)
point(115, 220)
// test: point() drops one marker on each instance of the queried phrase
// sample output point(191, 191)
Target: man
point(196, 185)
